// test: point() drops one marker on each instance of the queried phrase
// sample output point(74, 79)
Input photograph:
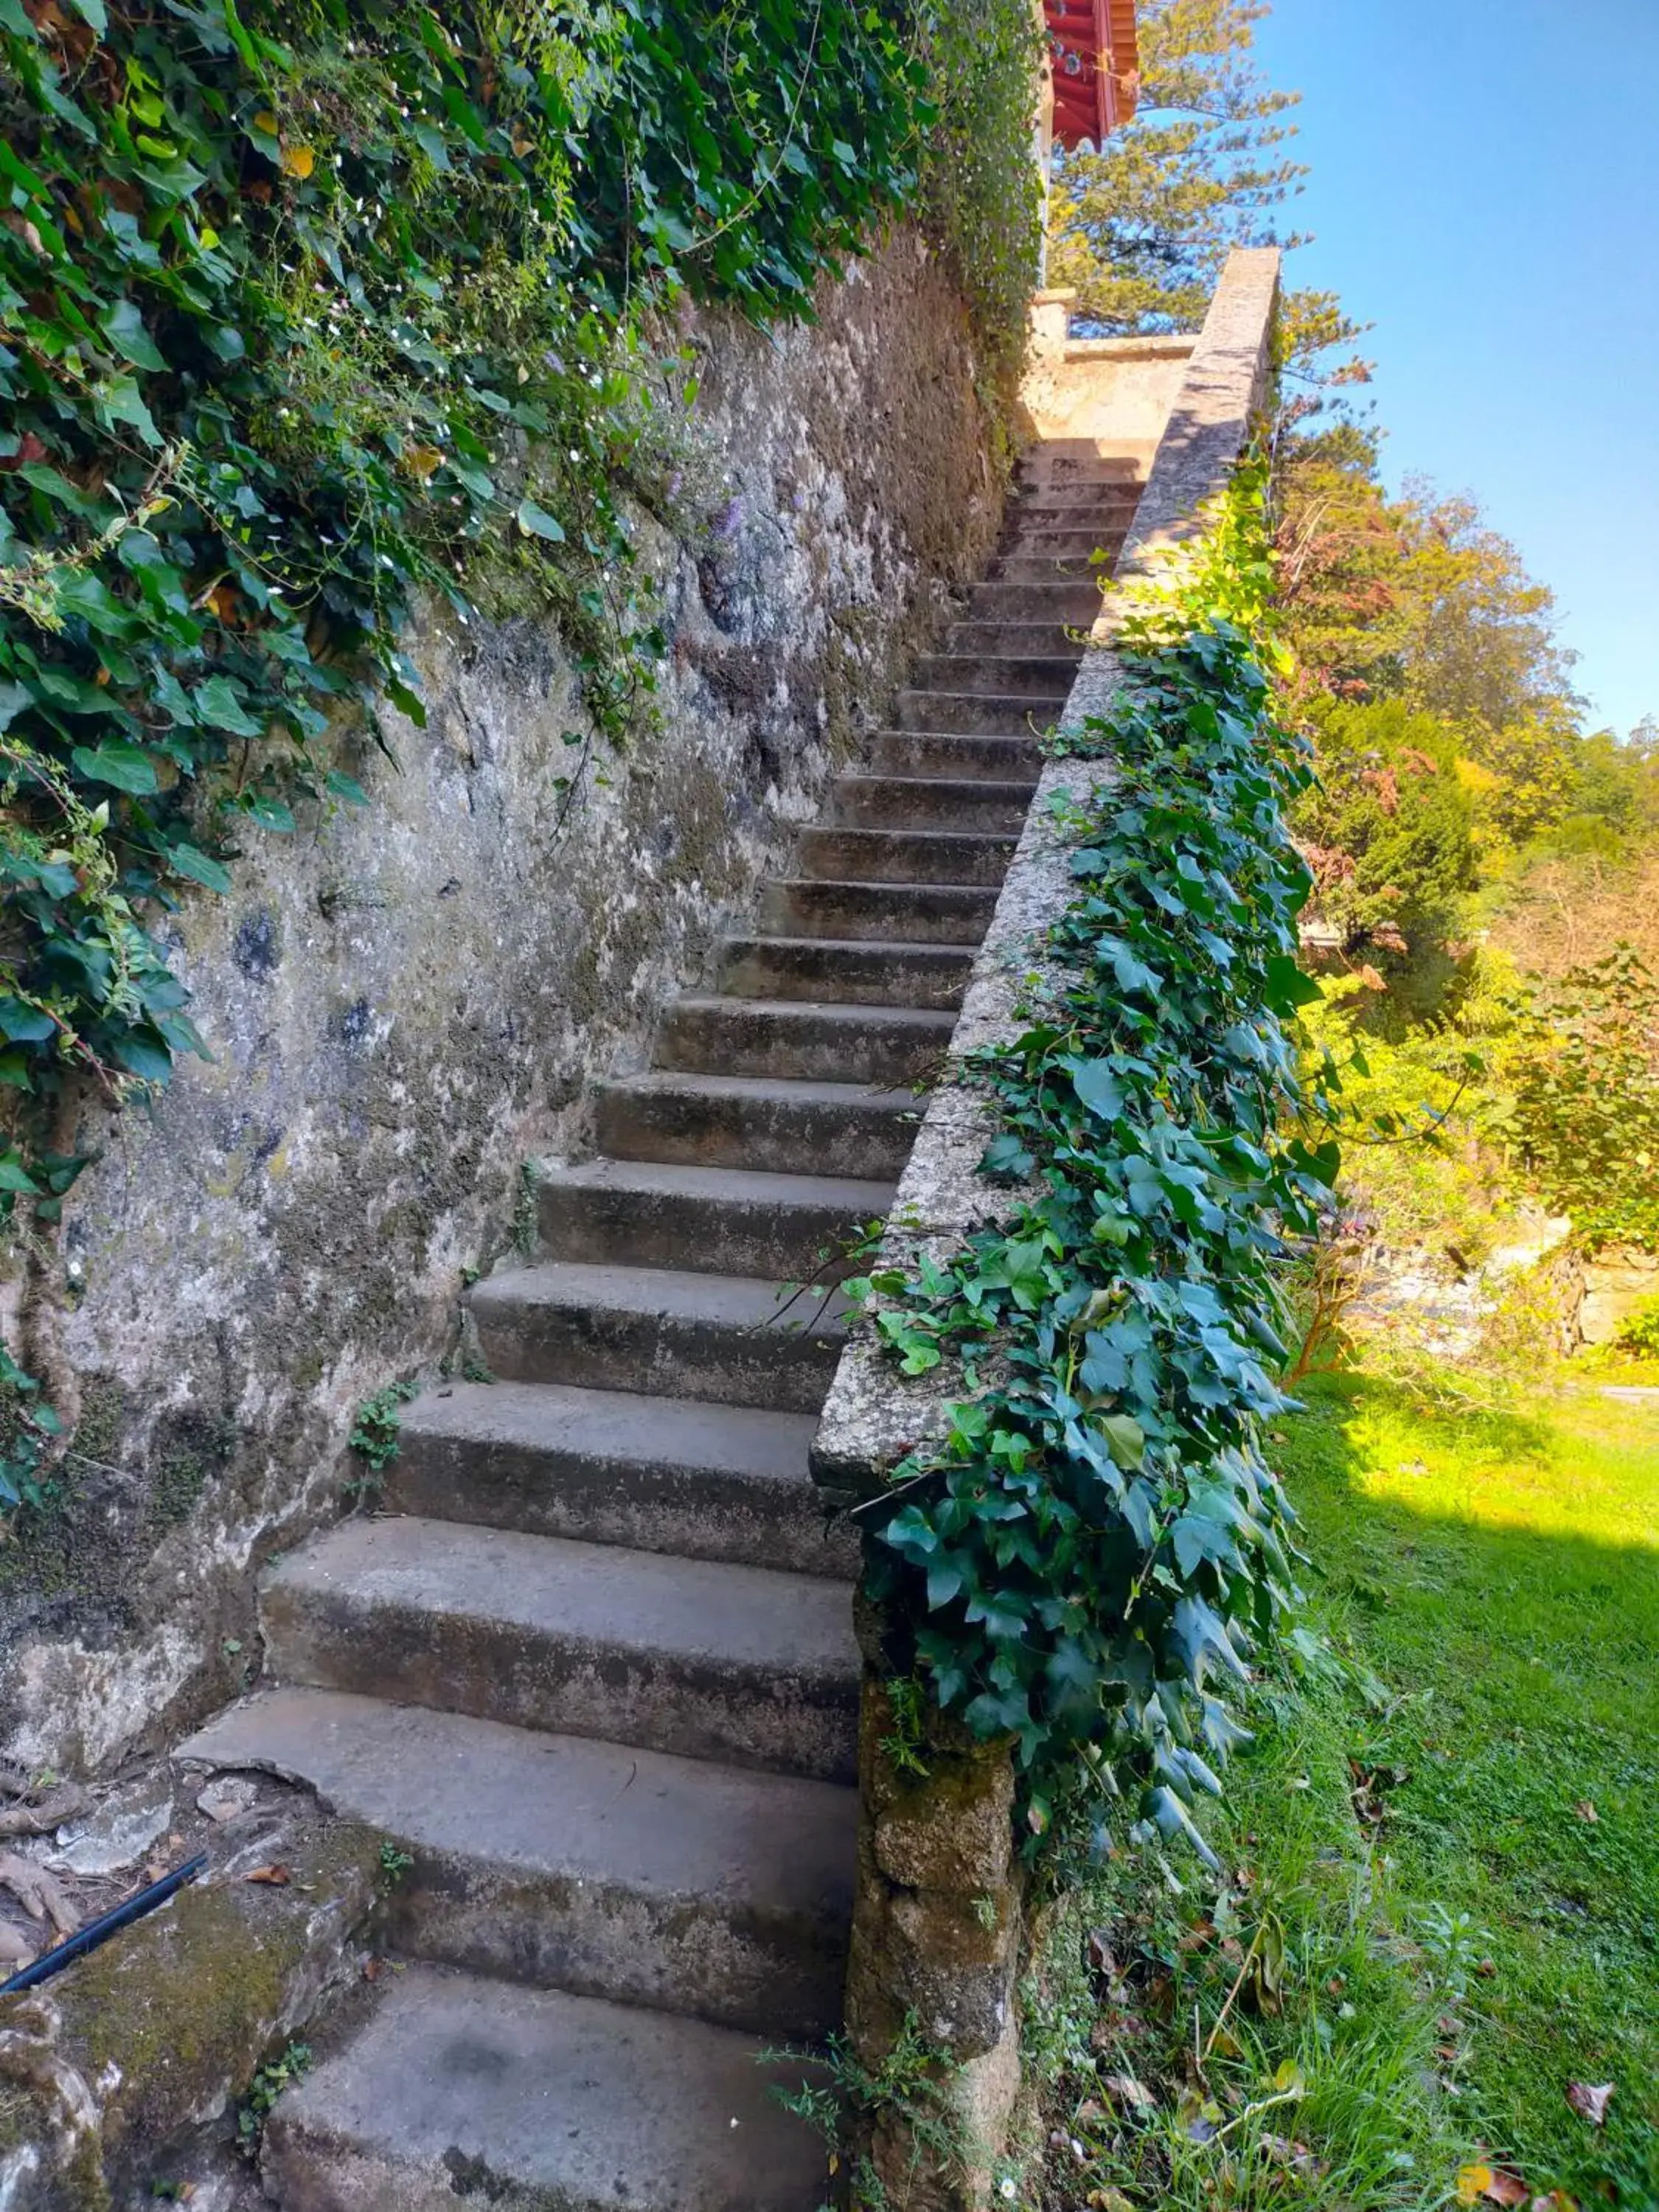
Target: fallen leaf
point(1129, 2092)
point(1557, 2201)
point(299, 160)
point(1473, 2183)
point(1108, 2200)
point(422, 460)
point(1506, 2188)
point(371, 1970)
point(1590, 2103)
point(1586, 1811)
point(1486, 1969)
point(273, 1877)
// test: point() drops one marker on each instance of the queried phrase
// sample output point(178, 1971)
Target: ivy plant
point(306, 312)
point(1088, 1561)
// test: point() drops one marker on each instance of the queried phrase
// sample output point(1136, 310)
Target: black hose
point(107, 1924)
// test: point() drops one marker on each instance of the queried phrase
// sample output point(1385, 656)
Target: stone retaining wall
point(406, 1003)
point(937, 1924)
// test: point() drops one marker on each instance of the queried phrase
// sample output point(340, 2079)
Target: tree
point(1388, 830)
point(1142, 228)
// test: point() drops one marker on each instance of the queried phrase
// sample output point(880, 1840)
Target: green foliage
point(1100, 1538)
point(1388, 830)
point(306, 311)
point(979, 192)
point(843, 2100)
point(1142, 227)
point(1583, 1116)
point(376, 1431)
point(1640, 1333)
point(266, 2087)
point(395, 1865)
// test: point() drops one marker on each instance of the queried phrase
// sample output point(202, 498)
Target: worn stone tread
point(714, 1220)
point(692, 1607)
point(594, 1866)
point(792, 1037)
point(531, 2100)
point(701, 1658)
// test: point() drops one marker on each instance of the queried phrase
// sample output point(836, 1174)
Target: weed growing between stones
point(266, 2087)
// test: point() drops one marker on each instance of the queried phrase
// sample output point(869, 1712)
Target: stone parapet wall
point(405, 1004)
point(954, 1819)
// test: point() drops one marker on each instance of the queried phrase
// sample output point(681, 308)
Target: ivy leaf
point(536, 522)
point(129, 768)
point(143, 1055)
point(217, 705)
point(123, 326)
point(1125, 1437)
point(23, 1024)
point(1097, 1087)
point(119, 400)
point(1287, 988)
point(187, 860)
point(15, 1177)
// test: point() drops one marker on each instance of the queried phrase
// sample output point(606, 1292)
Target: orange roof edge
point(1094, 53)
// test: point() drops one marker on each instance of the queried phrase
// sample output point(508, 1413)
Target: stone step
point(1016, 676)
point(1074, 540)
point(460, 2088)
point(773, 1129)
point(702, 1660)
point(1099, 505)
point(920, 914)
point(1051, 600)
point(739, 1339)
point(982, 640)
point(576, 1864)
point(611, 1467)
point(1074, 461)
point(1051, 568)
point(862, 971)
point(957, 754)
point(793, 1039)
point(646, 1213)
point(979, 714)
point(934, 802)
point(917, 856)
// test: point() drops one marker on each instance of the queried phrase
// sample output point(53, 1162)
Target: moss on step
point(168, 2023)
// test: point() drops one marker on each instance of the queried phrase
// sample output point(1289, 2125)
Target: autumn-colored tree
point(1388, 829)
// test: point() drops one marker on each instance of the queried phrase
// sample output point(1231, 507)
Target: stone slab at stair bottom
point(593, 1670)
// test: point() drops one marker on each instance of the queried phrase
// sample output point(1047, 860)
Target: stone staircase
point(593, 1669)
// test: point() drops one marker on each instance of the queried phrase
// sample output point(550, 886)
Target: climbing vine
point(306, 311)
point(1091, 1556)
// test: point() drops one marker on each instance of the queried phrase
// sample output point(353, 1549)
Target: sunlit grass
point(1452, 1829)
point(1500, 1575)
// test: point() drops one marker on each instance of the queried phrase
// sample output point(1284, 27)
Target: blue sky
point(1486, 192)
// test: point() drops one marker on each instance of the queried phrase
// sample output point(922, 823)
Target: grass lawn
point(1441, 1898)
